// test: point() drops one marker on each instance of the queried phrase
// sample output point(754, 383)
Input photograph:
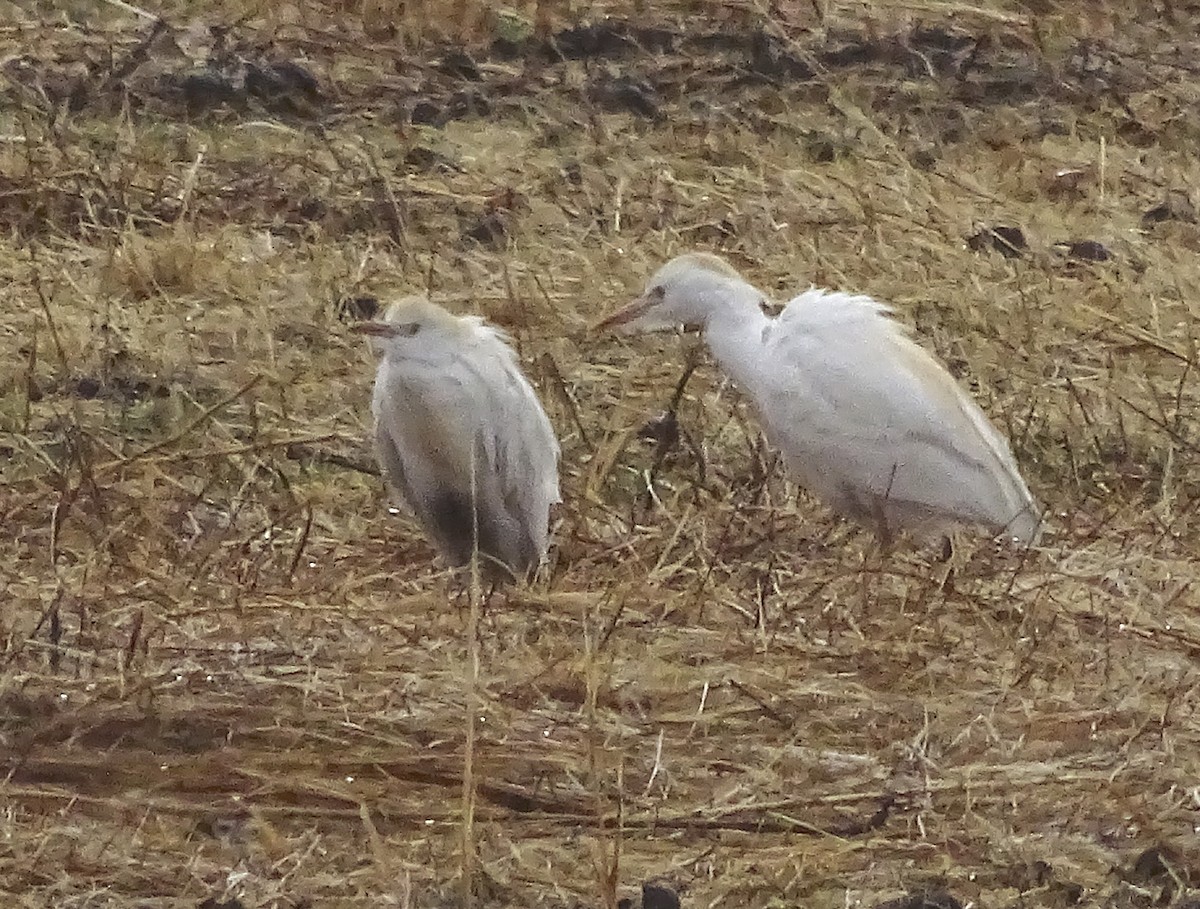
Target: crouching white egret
point(867, 420)
point(462, 438)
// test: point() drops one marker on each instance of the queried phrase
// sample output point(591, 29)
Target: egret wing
point(427, 416)
point(864, 414)
point(521, 448)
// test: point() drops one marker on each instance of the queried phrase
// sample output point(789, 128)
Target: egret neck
point(734, 329)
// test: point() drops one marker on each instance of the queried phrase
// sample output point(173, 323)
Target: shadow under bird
point(865, 418)
point(462, 437)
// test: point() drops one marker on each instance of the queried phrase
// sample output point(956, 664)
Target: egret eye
point(408, 329)
point(657, 293)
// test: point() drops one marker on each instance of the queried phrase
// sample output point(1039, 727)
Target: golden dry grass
point(230, 674)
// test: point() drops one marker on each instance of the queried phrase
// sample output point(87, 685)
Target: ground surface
point(230, 675)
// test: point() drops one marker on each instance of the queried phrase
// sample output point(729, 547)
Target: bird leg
point(881, 546)
point(666, 428)
point(691, 363)
point(495, 586)
point(493, 575)
point(947, 559)
point(883, 532)
point(947, 549)
point(458, 593)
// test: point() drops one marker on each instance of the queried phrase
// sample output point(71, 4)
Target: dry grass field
point(232, 678)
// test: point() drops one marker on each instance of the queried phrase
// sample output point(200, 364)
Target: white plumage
point(865, 418)
point(456, 423)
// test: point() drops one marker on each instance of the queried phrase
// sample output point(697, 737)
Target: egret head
point(411, 324)
point(683, 292)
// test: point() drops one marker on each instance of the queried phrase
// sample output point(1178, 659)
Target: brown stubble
point(230, 673)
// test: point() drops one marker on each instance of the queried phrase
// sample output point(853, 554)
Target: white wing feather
point(522, 449)
point(434, 413)
point(427, 457)
point(870, 422)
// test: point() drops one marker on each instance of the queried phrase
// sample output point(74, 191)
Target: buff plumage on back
point(926, 456)
point(867, 420)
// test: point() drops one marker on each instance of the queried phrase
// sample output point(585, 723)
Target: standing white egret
point(866, 419)
point(462, 437)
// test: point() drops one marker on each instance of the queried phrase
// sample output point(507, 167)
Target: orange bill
point(626, 313)
point(375, 329)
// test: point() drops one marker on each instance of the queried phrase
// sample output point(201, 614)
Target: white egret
point(866, 419)
point(462, 438)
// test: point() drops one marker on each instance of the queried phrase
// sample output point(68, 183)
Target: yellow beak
point(626, 313)
point(375, 329)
